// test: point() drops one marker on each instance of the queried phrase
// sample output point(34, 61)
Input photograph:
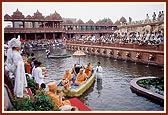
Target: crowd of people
point(17, 64)
point(149, 38)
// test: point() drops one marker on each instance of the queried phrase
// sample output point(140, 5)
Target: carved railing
point(31, 30)
point(159, 47)
point(90, 31)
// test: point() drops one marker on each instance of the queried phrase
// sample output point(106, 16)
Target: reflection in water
point(99, 86)
point(113, 92)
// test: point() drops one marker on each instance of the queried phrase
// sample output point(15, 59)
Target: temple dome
point(123, 20)
point(38, 15)
point(79, 22)
point(90, 22)
point(17, 15)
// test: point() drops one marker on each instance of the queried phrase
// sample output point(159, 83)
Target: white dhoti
point(99, 75)
point(20, 80)
point(99, 72)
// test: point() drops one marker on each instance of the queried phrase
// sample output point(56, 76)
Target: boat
point(76, 91)
point(59, 56)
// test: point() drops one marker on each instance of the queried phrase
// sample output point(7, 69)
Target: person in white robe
point(37, 74)
point(9, 60)
point(16, 66)
point(99, 70)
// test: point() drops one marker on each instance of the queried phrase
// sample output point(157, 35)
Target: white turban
point(14, 43)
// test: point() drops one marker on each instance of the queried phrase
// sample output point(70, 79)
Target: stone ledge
point(155, 97)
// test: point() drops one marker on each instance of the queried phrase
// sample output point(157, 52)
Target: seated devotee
point(88, 70)
point(67, 79)
point(57, 98)
point(81, 78)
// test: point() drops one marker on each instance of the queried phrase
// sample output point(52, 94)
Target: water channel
point(113, 92)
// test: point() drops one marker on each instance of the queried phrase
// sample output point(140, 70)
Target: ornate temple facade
point(54, 26)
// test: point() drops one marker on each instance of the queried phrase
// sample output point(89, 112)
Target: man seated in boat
point(81, 78)
point(88, 70)
point(67, 79)
point(57, 98)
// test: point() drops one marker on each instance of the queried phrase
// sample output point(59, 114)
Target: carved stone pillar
point(13, 23)
point(35, 36)
point(25, 36)
point(54, 35)
point(44, 35)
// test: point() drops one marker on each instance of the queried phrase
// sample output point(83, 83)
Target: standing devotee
point(99, 71)
point(154, 16)
point(16, 66)
point(37, 73)
point(9, 60)
point(147, 17)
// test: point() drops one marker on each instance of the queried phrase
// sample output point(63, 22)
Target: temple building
point(54, 26)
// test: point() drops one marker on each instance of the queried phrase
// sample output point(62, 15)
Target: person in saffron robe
point(88, 70)
point(81, 78)
point(17, 68)
point(57, 98)
point(67, 79)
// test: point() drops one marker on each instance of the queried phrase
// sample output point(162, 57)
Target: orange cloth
point(88, 70)
point(52, 86)
point(81, 77)
point(29, 61)
point(58, 99)
point(26, 64)
point(67, 76)
point(27, 68)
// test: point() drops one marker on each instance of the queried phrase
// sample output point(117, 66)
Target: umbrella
point(79, 53)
